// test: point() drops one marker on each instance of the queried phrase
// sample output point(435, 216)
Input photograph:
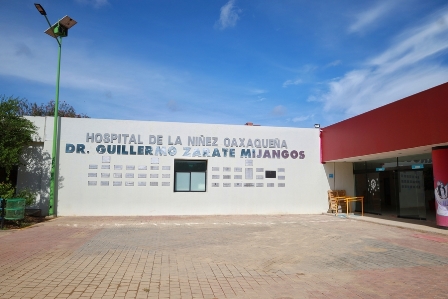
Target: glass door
point(389, 196)
point(411, 194)
point(360, 190)
point(372, 202)
point(368, 185)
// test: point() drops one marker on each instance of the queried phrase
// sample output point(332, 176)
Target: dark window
point(12, 175)
point(271, 174)
point(190, 175)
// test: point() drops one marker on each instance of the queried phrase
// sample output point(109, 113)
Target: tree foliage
point(16, 132)
point(6, 190)
point(47, 109)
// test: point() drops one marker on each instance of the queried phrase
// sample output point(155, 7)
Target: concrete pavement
point(281, 257)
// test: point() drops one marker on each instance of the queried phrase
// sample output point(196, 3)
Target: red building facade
point(408, 131)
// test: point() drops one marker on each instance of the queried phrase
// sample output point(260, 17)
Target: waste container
point(14, 209)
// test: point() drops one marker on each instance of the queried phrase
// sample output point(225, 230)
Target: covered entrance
point(411, 135)
point(400, 186)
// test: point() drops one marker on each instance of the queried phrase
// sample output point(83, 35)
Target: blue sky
point(273, 63)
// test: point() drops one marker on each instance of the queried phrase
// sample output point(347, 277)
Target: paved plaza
point(280, 257)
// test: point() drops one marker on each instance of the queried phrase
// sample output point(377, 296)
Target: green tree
point(16, 132)
point(47, 109)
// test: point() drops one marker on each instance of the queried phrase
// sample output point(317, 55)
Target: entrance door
point(389, 200)
point(361, 190)
point(369, 186)
point(373, 200)
point(411, 194)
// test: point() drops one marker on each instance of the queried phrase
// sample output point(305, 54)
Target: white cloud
point(34, 58)
point(94, 3)
point(292, 82)
point(110, 86)
point(334, 63)
point(256, 91)
point(407, 67)
point(301, 118)
point(229, 15)
point(305, 71)
point(371, 16)
point(312, 98)
point(415, 45)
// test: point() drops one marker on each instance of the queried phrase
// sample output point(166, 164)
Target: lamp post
point(57, 31)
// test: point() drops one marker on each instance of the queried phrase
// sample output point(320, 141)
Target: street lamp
point(58, 31)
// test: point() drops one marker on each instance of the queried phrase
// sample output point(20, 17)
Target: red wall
point(418, 120)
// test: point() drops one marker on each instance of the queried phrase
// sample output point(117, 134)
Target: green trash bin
point(15, 209)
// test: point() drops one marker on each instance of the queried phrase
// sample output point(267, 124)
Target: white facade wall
point(88, 180)
point(343, 177)
point(35, 173)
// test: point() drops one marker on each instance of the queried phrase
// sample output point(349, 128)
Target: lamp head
point(40, 9)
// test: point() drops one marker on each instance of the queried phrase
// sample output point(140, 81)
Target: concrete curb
point(412, 226)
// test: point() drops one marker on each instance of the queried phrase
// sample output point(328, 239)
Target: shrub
point(28, 195)
point(6, 190)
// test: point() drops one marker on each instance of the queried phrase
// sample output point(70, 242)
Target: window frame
point(176, 170)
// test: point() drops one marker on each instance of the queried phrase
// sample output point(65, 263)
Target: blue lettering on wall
point(122, 149)
point(69, 148)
